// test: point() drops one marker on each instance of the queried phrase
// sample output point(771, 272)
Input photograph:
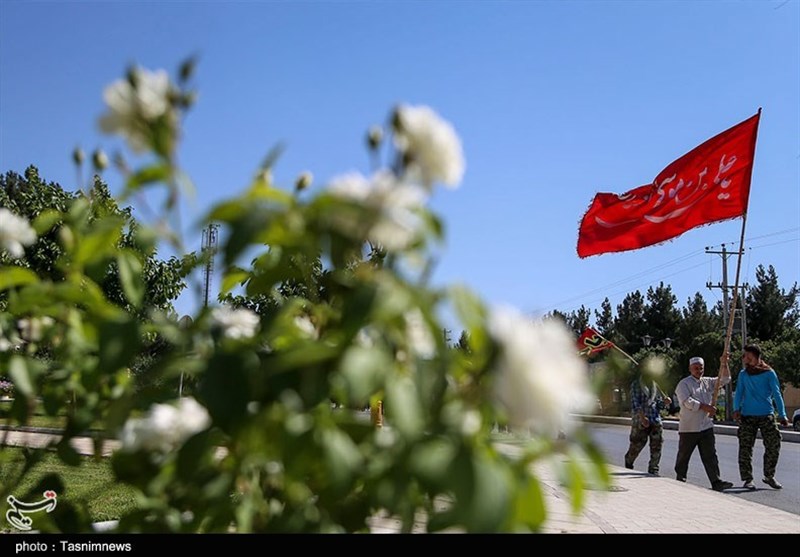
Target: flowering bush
point(6, 387)
point(333, 307)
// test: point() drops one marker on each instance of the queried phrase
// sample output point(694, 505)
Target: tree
point(770, 309)
point(629, 324)
point(660, 315)
point(697, 320)
point(29, 196)
point(578, 320)
point(604, 319)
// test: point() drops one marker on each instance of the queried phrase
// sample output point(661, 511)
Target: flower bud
point(303, 181)
point(374, 137)
point(99, 160)
point(78, 156)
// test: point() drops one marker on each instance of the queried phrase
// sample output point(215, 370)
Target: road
point(614, 441)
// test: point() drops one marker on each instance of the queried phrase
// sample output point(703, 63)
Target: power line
point(778, 233)
point(627, 279)
point(583, 296)
point(627, 291)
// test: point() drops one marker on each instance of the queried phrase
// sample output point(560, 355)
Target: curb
point(787, 435)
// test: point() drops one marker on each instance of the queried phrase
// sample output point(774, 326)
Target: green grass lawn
point(91, 483)
point(39, 418)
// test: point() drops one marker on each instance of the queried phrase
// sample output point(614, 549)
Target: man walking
point(646, 405)
point(757, 397)
point(696, 426)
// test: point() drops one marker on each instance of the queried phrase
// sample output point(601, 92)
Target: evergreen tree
point(604, 319)
point(578, 320)
point(697, 320)
point(629, 325)
point(770, 309)
point(661, 318)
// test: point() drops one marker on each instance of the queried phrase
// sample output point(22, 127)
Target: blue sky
point(553, 101)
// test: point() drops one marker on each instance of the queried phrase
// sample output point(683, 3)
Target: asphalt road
point(614, 441)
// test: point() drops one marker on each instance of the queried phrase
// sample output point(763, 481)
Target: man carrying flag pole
point(710, 183)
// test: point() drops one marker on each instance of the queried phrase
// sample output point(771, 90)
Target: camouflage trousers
point(749, 426)
point(638, 439)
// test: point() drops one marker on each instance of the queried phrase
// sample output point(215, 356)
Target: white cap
point(697, 360)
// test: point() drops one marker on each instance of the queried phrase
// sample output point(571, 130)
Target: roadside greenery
point(327, 308)
point(90, 487)
point(773, 321)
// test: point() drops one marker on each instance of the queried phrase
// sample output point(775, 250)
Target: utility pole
point(726, 312)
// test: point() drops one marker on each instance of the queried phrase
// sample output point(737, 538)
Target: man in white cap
point(696, 426)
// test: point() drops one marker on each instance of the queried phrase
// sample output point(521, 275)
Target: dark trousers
point(704, 440)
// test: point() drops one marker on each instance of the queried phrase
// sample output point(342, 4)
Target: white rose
point(431, 145)
point(540, 378)
point(131, 108)
point(238, 323)
point(15, 232)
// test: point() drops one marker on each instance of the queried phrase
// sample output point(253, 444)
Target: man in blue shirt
point(757, 397)
point(646, 405)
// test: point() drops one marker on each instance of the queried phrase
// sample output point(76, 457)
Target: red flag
point(591, 342)
point(710, 183)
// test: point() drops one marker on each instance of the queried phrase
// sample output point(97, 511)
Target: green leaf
point(11, 277)
point(403, 408)
point(342, 457)
point(228, 386)
point(491, 496)
point(529, 508)
point(148, 175)
point(468, 307)
point(101, 242)
point(576, 484)
point(432, 461)
point(232, 279)
point(119, 343)
point(21, 375)
point(46, 220)
point(67, 453)
point(364, 370)
point(130, 276)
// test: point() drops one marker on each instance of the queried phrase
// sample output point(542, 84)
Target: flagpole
point(729, 331)
point(614, 345)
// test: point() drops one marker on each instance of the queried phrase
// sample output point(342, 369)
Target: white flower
point(420, 340)
point(395, 205)
point(306, 327)
point(165, 427)
point(238, 323)
point(353, 186)
point(470, 423)
point(32, 329)
point(430, 144)
point(540, 377)
point(131, 108)
point(15, 232)
point(364, 338)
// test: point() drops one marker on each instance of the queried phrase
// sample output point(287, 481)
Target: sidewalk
point(636, 503)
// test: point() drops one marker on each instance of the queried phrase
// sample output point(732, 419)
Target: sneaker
point(749, 485)
point(628, 466)
point(681, 480)
point(721, 486)
point(772, 482)
point(653, 473)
